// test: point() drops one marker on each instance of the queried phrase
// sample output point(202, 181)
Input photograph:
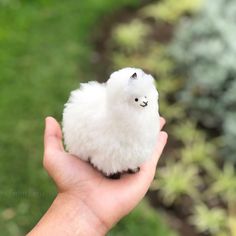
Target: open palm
point(107, 199)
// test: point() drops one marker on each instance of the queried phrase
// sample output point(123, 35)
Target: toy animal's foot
point(133, 171)
point(114, 176)
point(90, 162)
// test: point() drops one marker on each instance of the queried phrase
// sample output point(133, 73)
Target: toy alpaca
point(113, 125)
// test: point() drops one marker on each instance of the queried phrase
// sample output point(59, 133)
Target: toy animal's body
point(114, 125)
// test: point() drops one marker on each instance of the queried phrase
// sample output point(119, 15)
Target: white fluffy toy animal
point(114, 125)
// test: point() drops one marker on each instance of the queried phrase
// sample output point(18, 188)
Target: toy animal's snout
point(144, 102)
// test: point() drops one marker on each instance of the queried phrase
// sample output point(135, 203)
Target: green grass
point(44, 53)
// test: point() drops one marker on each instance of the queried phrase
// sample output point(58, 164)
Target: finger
point(162, 122)
point(52, 135)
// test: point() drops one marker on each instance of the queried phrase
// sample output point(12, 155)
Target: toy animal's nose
point(144, 104)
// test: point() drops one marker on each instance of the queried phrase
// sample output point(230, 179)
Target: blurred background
point(48, 47)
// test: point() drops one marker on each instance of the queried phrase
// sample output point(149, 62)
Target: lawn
point(45, 51)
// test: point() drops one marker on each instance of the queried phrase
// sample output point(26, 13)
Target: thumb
point(52, 135)
point(53, 147)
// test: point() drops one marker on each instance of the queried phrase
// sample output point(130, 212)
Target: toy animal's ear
point(134, 76)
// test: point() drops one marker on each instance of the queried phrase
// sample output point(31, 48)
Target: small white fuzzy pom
point(114, 125)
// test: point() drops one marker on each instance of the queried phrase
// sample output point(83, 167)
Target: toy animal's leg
point(114, 176)
point(133, 171)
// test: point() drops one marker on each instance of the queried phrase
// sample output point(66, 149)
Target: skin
point(87, 203)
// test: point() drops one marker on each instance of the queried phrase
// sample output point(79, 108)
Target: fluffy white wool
point(114, 125)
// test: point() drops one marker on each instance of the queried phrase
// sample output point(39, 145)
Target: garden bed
point(186, 211)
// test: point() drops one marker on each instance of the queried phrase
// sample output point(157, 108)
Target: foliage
point(171, 183)
point(204, 49)
point(209, 220)
point(123, 35)
point(171, 10)
point(142, 221)
point(232, 223)
point(196, 149)
point(225, 184)
point(193, 172)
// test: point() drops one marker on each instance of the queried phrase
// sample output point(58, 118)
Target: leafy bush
point(123, 35)
point(196, 175)
point(171, 183)
point(205, 50)
point(190, 177)
point(171, 10)
point(209, 220)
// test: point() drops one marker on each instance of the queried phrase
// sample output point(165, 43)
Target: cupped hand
point(105, 199)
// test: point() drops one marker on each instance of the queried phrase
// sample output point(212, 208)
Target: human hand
point(97, 202)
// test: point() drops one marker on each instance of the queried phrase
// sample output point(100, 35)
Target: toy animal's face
point(132, 88)
point(141, 91)
point(141, 101)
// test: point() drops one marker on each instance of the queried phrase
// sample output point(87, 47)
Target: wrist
point(69, 215)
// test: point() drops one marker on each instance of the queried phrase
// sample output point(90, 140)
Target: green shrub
point(194, 170)
point(204, 49)
point(171, 183)
point(190, 169)
point(171, 10)
point(225, 183)
point(208, 220)
point(124, 35)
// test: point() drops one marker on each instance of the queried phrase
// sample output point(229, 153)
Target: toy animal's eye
point(136, 99)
